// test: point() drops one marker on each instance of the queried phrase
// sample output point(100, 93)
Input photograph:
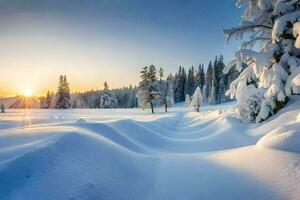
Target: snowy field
point(131, 154)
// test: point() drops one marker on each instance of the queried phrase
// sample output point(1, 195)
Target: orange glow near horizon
point(39, 86)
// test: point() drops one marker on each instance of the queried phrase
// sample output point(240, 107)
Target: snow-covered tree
point(62, 99)
point(248, 105)
point(169, 95)
point(107, 98)
point(274, 69)
point(197, 99)
point(148, 88)
point(187, 100)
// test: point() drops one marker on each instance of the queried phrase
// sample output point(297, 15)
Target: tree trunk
point(152, 110)
point(166, 108)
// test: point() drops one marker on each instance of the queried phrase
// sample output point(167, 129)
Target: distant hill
point(19, 102)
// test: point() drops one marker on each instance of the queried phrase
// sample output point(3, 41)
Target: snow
point(131, 154)
point(281, 23)
point(282, 140)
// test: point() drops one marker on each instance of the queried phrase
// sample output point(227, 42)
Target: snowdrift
point(286, 133)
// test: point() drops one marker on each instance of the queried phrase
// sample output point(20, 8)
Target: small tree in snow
point(248, 105)
point(148, 88)
point(197, 99)
point(187, 100)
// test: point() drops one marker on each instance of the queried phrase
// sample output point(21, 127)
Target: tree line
point(212, 84)
point(161, 89)
point(63, 99)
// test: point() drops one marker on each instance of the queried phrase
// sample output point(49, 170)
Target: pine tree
point(200, 78)
point(177, 85)
point(169, 96)
point(190, 83)
point(208, 82)
point(106, 88)
point(63, 94)
point(217, 75)
point(162, 85)
point(108, 98)
point(180, 85)
point(148, 88)
point(223, 82)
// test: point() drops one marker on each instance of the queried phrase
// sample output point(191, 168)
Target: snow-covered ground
point(131, 154)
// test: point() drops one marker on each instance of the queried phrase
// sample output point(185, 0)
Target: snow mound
point(72, 164)
point(286, 136)
point(281, 140)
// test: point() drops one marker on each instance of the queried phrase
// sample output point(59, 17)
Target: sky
point(92, 41)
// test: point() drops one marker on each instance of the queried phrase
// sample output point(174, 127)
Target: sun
point(27, 92)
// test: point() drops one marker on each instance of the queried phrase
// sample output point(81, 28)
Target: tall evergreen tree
point(200, 77)
point(180, 85)
point(208, 82)
point(216, 76)
point(190, 83)
point(162, 85)
point(148, 88)
point(106, 88)
point(63, 94)
point(177, 87)
point(107, 98)
point(223, 82)
point(169, 95)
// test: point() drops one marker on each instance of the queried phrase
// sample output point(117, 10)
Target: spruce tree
point(162, 85)
point(216, 76)
point(148, 88)
point(180, 85)
point(200, 78)
point(208, 82)
point(63, 94)
point(107, 97)
point(190, 83)
point(169, 95)
point(177, 87)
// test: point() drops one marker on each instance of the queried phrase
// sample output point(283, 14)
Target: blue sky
point(96, 40)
